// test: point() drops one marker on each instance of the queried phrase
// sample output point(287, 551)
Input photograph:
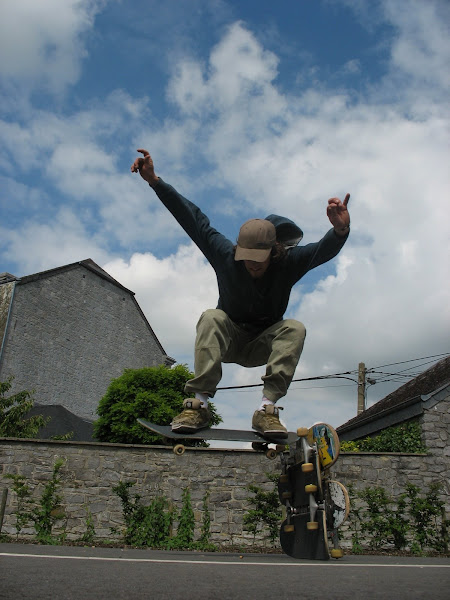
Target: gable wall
point(69, 334)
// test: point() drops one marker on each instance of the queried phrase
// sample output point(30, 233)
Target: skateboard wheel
point(288, 528)
point(286, 495)
point(179, 449)
point(284, 478)
point(337, 553)
point(310, 489)
point(302, 431)
point(271, 453)
point(307, 467)
point(259, 446)
point(312, 525)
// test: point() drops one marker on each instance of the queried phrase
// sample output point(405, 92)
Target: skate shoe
point(192, 418)
point(267, 422)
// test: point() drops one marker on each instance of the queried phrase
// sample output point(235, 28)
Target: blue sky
point(248, 108)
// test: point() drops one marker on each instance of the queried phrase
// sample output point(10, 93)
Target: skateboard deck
point(315, 505)
point(337, 503)
point(258, 441)
point(303, 534)
point(327, 441)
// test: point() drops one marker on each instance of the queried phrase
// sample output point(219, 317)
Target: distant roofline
point(7, 278)
point(88, 263)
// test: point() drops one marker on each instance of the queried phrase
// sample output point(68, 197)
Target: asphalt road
point(64, 572)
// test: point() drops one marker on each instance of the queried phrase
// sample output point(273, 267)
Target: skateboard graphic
point(315, 505)
point(258, 441)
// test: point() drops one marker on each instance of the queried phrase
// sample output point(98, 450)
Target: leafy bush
point(267, 510)
point(184, 538)
point(152, 393)
point(13, 411)
point(402, 438)
point(415, 519)
point(46, 512)
point(151, 526)
point(145, 525)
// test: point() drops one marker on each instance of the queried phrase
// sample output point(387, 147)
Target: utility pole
point(361, 388)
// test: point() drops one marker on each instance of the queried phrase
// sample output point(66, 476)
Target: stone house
point(66, 332)
point(425, 399)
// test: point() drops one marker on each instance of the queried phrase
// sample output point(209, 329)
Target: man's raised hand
point(144, 166)
point(338, 214)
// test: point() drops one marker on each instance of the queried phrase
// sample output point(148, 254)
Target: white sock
point(204, 398)
point(265, 402)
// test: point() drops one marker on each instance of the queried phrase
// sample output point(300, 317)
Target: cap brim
point(255, 254)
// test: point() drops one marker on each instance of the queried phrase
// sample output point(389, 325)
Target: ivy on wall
point(406, 437)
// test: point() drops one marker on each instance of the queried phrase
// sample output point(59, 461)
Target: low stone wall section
point(91, 471)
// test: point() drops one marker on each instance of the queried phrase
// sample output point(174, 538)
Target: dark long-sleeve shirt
point(252, 303)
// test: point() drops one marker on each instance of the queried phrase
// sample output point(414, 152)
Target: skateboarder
point(255, 278)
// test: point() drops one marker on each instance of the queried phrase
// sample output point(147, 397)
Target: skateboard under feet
point(259, 442)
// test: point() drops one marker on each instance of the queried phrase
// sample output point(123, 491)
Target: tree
point(152, 393)
point(13, 411)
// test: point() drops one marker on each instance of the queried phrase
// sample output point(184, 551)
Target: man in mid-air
point(255, 278)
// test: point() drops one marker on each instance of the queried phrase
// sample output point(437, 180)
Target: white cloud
point(42, 42)
point(422, 50)
point(172, 292)
point(39, 246)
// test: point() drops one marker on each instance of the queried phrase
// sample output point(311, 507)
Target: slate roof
point(62, 421)
point(398, 405)
point(88, 263)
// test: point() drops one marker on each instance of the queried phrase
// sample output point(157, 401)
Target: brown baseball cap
point(256, 240)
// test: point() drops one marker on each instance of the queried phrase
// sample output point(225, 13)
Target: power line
point(242, 390)
point(345, 375)
point(412, 360)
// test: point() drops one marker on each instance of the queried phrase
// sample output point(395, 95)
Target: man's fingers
point(139, 162)
point(346, 199)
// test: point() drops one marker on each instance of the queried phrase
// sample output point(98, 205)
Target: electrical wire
point(397, 377)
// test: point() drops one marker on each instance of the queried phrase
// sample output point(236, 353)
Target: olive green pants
point(219, 340)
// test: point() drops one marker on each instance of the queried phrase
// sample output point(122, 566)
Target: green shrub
point(145, 525)
point(42, 514)
point(415, 519)
point(152, 393)
point(266, 513)
point(13, 411)
point(406, 437)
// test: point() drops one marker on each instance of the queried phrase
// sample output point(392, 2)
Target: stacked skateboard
point(315, 505)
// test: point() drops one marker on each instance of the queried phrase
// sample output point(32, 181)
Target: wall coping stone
point(118, 445)
point(188, 448)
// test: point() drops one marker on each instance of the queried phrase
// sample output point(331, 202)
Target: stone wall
point(70, 332)
point(91, 470)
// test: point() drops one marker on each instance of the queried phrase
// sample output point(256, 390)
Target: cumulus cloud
point(38, 246)
point(172, 292)
point(42, 42)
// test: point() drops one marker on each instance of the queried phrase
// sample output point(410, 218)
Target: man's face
point(257, 269)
